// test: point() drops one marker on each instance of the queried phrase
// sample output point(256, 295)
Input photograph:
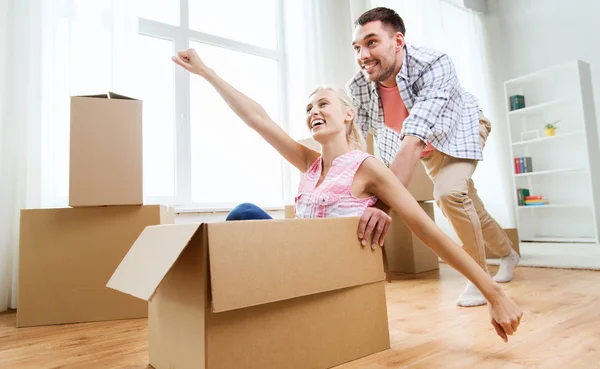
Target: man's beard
point(387, 73)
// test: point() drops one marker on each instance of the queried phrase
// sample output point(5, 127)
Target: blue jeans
point(247, 211)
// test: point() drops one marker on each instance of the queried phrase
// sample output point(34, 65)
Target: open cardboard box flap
point(150, 258)
point(255, 262)
point(109, 95)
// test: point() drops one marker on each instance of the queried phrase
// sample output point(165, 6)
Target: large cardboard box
point(420, 186)
point(290, 211)
point(299, 293)
point(513, 235)
point(406, 254)
point(67, 255)
point(106, 166)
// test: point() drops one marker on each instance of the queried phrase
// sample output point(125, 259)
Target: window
point(159, 114)
point(197, 152)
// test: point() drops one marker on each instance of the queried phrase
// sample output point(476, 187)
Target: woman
point(343, 180)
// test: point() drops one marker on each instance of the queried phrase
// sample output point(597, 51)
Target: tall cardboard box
point(513, 235)
point(106, 165)
point(290, 211)
point(420, 186)
point(299, 293)
point(406, 254)
point(67, 255)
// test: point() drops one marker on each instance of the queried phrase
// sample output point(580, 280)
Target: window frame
point(181, 36)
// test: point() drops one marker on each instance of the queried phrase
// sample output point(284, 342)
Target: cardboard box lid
point(256, 262)
point(109, 95)
point(150, 259)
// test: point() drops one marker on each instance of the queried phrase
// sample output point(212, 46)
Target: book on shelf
point(526, 199)
point(535, 202)
point(523, 165)
point(522, 194)
point(533, 197)
point(517, 102)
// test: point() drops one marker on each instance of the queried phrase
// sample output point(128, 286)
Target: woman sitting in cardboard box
point(344, 180)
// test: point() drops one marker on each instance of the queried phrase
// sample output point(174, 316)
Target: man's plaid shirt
point(441, 111)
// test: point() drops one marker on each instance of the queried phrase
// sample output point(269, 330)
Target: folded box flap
point(150, 259)
point(112, 95)
point(258, 262)
point(109, 95)
point(97, 96)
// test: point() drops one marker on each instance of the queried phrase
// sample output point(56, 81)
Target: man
point(412, 99)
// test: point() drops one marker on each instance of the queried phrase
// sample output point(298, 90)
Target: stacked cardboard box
point(513, 236)
point(406, 254)
point(67, 255)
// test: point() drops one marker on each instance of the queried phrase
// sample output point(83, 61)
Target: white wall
point(524, 36)
point(533, 34)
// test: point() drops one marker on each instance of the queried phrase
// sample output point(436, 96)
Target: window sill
point(213, 210)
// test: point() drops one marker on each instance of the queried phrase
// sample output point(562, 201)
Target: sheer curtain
point(88, 47)
point(51, 49)
point(20, 40)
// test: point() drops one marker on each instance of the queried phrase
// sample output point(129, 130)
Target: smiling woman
point(318, 111)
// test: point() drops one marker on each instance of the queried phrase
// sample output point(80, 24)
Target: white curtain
point(51, 49)
point(318, 37)
point(88, 48)
point(20, 39)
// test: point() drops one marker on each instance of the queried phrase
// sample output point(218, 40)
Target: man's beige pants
point(456, 196)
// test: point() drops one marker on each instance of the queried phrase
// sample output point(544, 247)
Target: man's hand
point(374, 219)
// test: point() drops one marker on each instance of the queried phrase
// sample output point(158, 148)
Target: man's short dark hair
point(387, 17)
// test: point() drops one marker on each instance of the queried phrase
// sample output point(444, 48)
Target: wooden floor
point(560, 329)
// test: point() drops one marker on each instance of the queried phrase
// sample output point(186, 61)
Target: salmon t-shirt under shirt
point(395, 112)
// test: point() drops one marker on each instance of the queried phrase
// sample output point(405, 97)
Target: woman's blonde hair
point(353, 134)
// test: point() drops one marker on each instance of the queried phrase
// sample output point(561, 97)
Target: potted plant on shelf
point(550, 128)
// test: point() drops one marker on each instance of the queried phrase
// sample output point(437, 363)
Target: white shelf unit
point(566, 166)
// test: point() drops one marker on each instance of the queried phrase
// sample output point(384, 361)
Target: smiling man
point(411, 97)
